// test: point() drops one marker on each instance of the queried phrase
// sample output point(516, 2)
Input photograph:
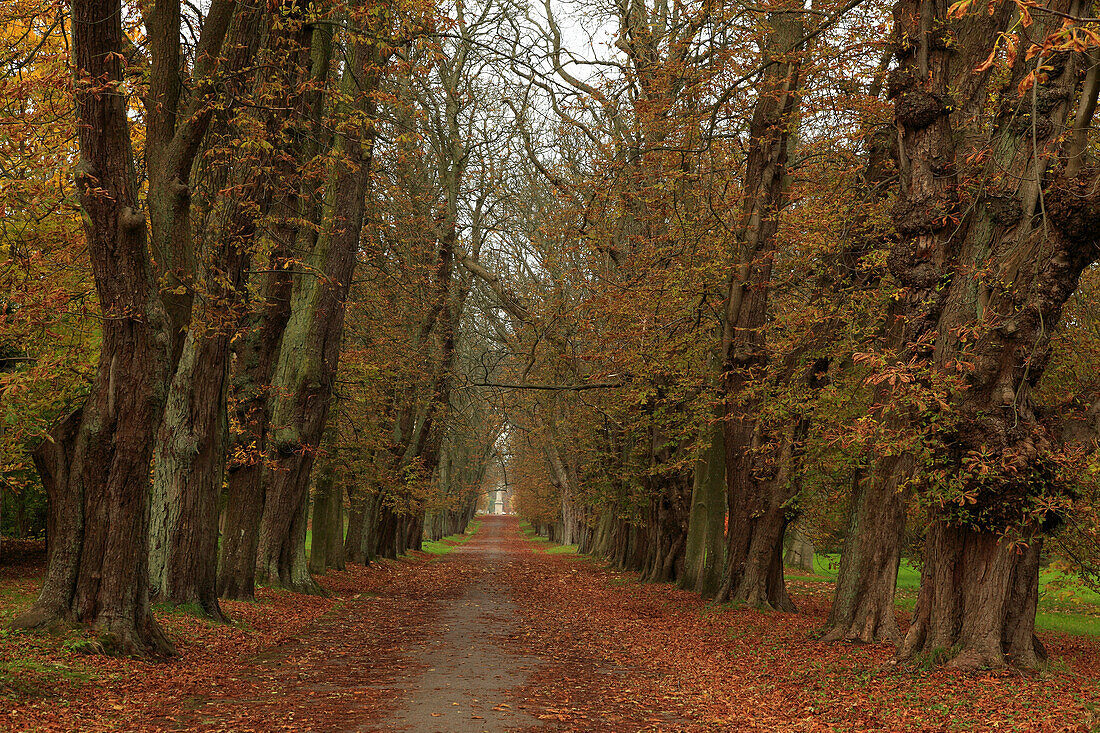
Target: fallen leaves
point(607, 656)
point(276, 666)
point(633, 656)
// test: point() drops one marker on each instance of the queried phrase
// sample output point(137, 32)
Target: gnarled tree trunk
point(95, 465)
point(1001, 266)
point(189, 471)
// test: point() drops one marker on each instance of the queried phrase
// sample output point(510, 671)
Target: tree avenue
point(701, 287)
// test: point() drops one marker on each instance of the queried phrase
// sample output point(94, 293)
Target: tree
point(758, 508)
point(994, 233)
point(309, 352)
point(95, 463)
point(192, 441)
point(291, 83)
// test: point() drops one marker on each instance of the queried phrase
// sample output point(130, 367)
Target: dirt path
point(434, 649)
point(473, 669)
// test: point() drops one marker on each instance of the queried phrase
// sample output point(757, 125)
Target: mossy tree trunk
point(327, 546)
point(286, 50)
point(192, 442)
point(705, 552)
point(310, 349)
point(188, 475)
point(1031, 232)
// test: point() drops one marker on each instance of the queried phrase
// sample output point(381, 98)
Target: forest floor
point(506, 633)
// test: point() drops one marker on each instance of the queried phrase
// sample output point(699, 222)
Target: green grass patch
point(449, 543)
point(1068, 623)
point(1065, 605)
point(556, 549)
point(16, 596)
point(827, 566)
point(27, 678)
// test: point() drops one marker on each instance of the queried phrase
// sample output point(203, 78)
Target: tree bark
point(1031, 232)
point(757, 507)
point(863, 601)
point(800, 551)
point(96, 463)
point(705, 551)
point(327, 547)
point(310, 349)
point(977, 601)
point(359, 521)
point(286, 49)
point(192, 442)
point(188, 476)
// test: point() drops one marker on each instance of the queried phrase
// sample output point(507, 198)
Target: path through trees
point(502, 635)
point(292, 291)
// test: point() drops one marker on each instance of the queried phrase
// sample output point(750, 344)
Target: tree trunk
point(1000, 267)
point(245, 490)
point(416, 532)
point(863, 601)
point(666, 529)
point(310, 350)
point(800, 551)
point(96, 464)
point(355, 543)
point(977, 601)
point(757, 507)
point(258, 348)
point(192, 442)
point(335, 556)
point(188, 476)
point(384, 530)
point(758, 517)
point(705, 552)
point(327, 547)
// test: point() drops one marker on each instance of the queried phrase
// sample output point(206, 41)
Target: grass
point(1078, 624)
point(827, 566)
point(25, 677)
point(17, 595)
point(554, 548)
point(547, 546)
point(450, 542)
point(1065, 605)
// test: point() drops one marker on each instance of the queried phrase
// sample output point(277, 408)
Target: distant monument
point(500, 501)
